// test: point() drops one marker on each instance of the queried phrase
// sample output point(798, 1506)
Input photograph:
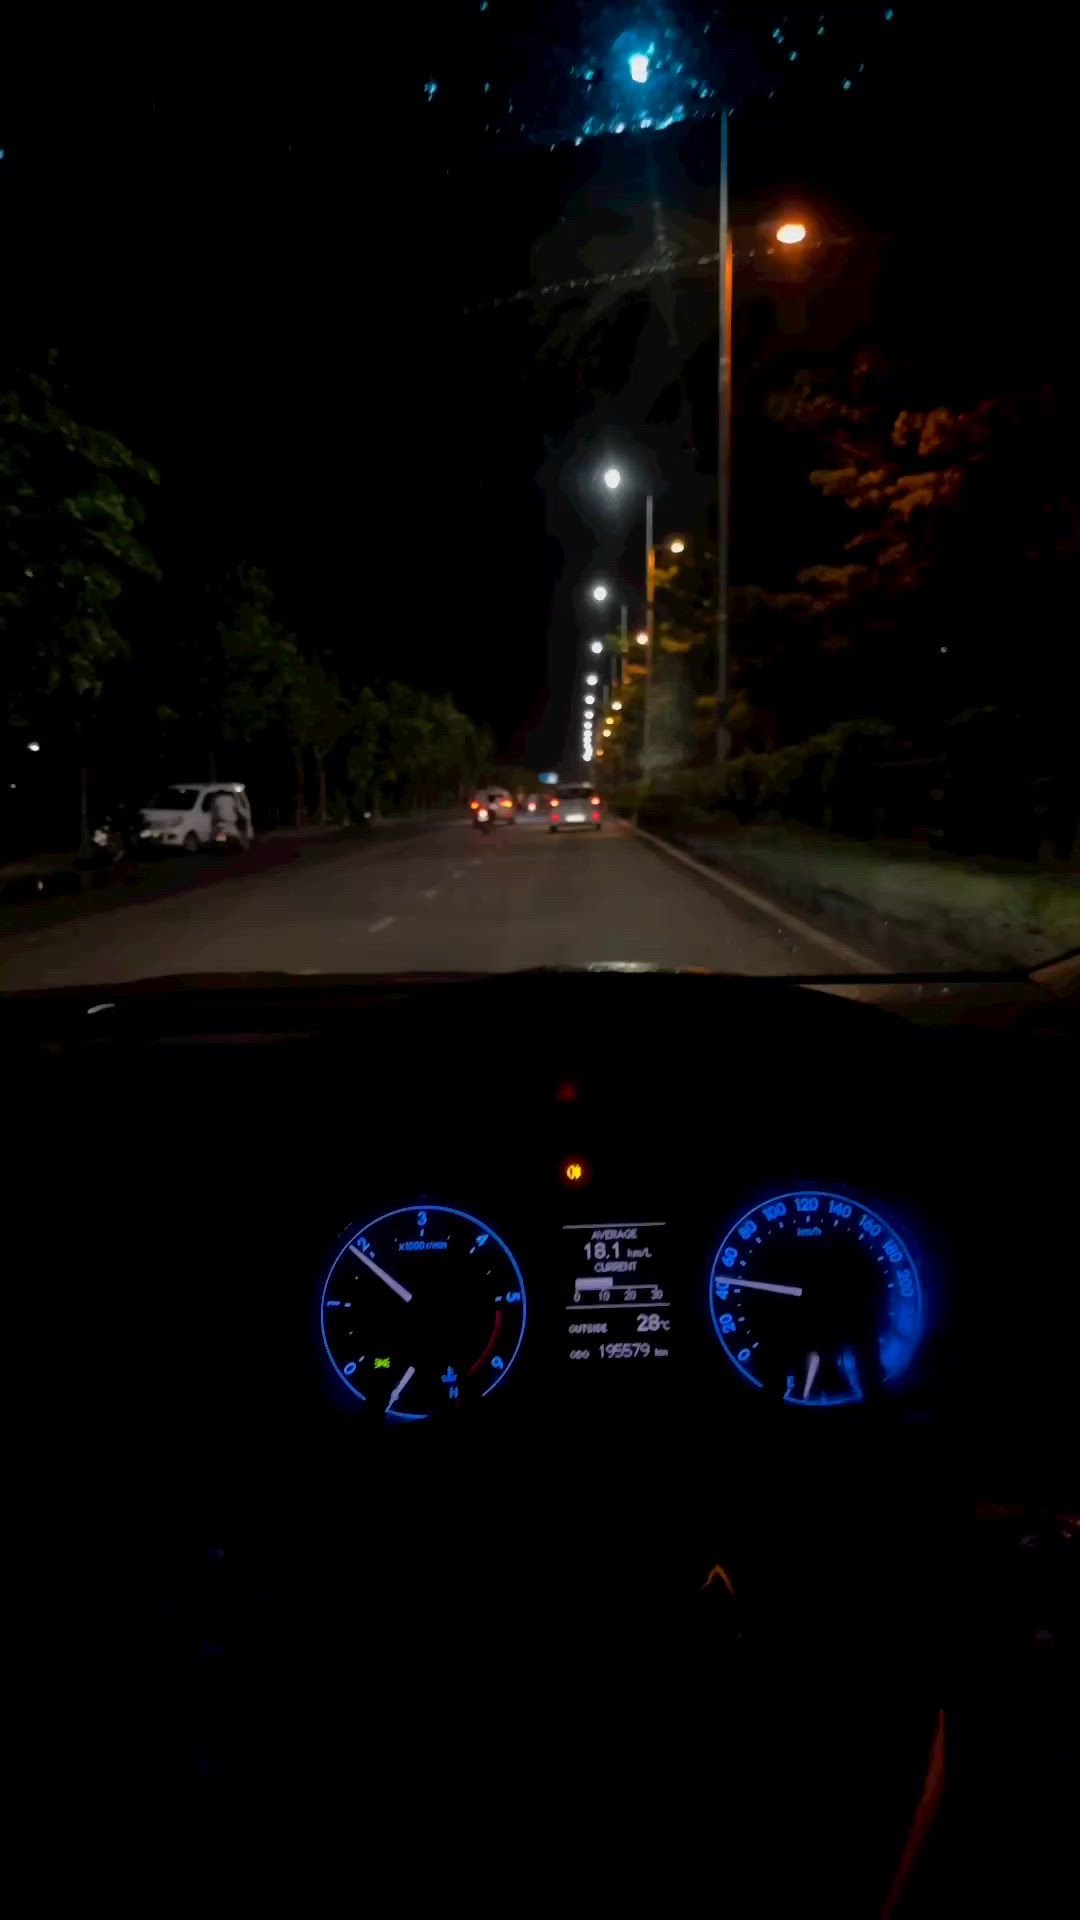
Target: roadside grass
point(914, 907)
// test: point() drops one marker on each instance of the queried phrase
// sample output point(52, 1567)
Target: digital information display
point(618, 1306)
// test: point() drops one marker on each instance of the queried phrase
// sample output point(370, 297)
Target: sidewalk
point(913, 909)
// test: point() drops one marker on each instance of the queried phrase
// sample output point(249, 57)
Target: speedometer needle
point(401, 1386)
point(402, 1292)
point(759, 1286)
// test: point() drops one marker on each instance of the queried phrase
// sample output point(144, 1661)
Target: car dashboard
point(567, 1324)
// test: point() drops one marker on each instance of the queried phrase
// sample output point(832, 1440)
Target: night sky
point(278, 266)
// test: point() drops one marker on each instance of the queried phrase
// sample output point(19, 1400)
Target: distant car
point(578, 806)
point(499, 802)
point(184, 816)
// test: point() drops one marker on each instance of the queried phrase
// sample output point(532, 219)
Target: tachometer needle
point(402, 1292)
point(813, 1362)
point(401, 1386)
point(763, 1286)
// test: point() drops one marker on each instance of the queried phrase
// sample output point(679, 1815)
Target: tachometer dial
point(816, 1298)
point(423, 1309)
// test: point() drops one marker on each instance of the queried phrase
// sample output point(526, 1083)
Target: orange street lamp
point(791, 233)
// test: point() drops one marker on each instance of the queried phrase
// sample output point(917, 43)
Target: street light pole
point(650, 651)
point(723, 447)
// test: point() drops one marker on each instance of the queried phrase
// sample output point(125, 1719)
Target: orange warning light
point(574, 1172)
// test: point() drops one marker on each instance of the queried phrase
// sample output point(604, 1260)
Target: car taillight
point(531, 808)
point(474, 804)
point(506, 803)
point(596, 816)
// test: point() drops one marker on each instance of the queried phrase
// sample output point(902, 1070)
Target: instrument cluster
point(814, 1298)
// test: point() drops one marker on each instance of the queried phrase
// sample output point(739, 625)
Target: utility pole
point(650, 583)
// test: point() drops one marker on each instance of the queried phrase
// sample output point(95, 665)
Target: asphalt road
point(446, 899)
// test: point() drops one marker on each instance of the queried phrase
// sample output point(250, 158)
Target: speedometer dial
point(815, 1298)
point(423, 1309)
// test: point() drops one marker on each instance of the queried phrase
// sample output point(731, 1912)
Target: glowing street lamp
point(642, 639)
point(791, 233)
point(599, 592)
point(590, 699)
point(639, 68)
point(616, 706)
point(596, 646)
point(612, 478)
point(592, 679)
point(677, 546)
point(607, 735)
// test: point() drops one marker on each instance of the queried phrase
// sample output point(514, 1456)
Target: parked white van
point(184, 815)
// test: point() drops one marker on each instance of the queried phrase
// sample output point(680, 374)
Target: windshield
point(174, 800)
point(702, 446)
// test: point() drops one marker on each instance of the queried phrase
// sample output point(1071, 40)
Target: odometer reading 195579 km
point(815, 1298)
point(422, 1310)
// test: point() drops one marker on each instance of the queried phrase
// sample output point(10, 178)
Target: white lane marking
point(401, 1386)
point(458, 873)
point(792, 923)
point(760, 1286)
point(395, 1285)
point(813, 1363)
point(430, 893)
point(386, 921)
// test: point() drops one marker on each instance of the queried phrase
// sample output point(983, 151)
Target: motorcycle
point(484, 820)
point(115, 839)
point(227, 839)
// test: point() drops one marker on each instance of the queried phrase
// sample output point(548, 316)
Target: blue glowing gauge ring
point(816, 1299)
point(423, 1310)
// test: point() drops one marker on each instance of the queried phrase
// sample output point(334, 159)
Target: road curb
point(861, 962)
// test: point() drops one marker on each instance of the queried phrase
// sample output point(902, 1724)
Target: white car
point(183, 815)
point(577, 806)
point(500, 804)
